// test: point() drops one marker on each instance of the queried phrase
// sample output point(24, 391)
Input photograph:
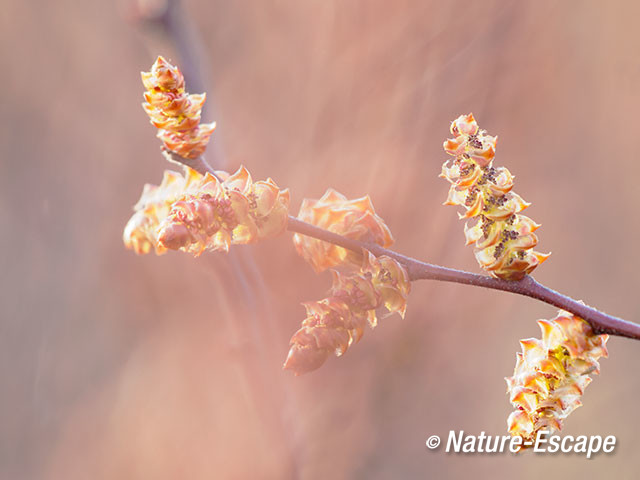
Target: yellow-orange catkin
point(335, 323)
point(503, 238)
point(174, 112)
point(141, 231)
point(217, 214)
point(355, 219)
point(551, 374)
point(196, 213)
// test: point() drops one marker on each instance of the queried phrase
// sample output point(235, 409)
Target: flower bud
point(173, 112)
point(551, 374)
point(503, 238)
point(337, 322)
point(196, 213)
point(355, 219)
point(140, 233)
point(215, 215)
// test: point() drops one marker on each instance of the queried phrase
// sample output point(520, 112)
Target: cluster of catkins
point(194, 212)
point(503, 238)
point(362, 287)
point(551, 374)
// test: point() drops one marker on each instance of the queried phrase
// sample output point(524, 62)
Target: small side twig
point(198, 164)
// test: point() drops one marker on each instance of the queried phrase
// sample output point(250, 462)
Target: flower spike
point(223, 213)
point(551, 374)
point(503, 238)
point(198, 213)
point(337, 322)
point(354, 219)
point(175, 113)
point(141, 231)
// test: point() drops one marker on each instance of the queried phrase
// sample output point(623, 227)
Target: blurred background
point(118, 366)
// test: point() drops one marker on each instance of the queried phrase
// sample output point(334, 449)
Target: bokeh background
point(117, 366)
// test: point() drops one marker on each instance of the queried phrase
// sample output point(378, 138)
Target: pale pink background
point(117, 366)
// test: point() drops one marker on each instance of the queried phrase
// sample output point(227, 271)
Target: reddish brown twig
point(528, 286)
point(418, 270)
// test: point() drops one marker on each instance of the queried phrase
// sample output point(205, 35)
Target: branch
point(599, 321)
point(418, 270)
